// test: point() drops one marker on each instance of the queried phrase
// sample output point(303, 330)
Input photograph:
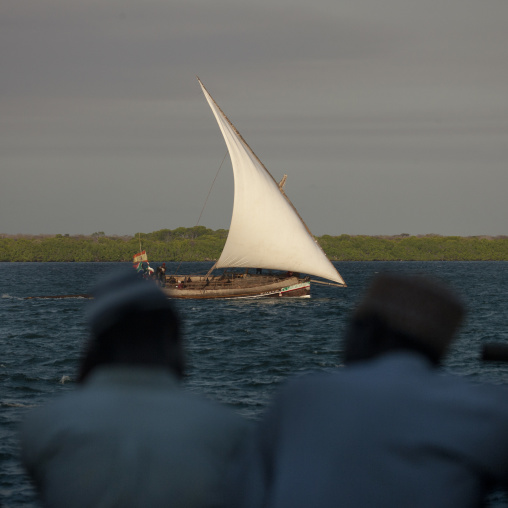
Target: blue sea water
point(238, 351)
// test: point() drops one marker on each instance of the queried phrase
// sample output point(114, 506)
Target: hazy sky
point(387, 116)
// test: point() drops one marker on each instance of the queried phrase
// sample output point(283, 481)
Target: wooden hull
point(252, 286)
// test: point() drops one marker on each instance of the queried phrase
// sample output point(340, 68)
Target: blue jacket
point(130, 437)
point(391, 432)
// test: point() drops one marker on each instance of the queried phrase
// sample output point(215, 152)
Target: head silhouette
point(132, 323)
point(404, 312)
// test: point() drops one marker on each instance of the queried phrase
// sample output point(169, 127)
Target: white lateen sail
point(265, 231)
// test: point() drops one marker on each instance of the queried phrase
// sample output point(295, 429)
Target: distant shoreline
point(202, 244)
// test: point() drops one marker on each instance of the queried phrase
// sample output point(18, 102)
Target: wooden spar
point(210, 271)
point(328, 283)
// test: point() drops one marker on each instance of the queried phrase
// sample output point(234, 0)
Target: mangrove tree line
point(202, 244)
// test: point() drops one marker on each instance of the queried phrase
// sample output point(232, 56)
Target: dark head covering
point(120, 295)
point(419, 307)
point(132, 322)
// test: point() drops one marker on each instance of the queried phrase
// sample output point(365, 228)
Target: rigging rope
point(204, 205)
point(211, 187)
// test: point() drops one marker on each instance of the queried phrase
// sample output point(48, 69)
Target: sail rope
point(204, 205)
point(211, 187)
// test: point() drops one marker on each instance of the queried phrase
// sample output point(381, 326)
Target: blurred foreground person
point(130, 436)
point(389, 429)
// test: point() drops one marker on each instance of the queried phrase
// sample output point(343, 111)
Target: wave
point(15, 404)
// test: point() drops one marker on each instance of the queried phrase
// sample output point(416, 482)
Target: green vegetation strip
point(202, 244)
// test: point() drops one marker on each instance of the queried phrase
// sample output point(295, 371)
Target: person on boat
point(389, 429)
point(129, 435)
point(161, 274)
point(144, 269)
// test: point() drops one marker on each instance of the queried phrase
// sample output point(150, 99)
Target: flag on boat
point(138, 260)
point(140, 256)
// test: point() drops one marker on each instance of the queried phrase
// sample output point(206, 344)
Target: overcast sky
point(388, 117)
